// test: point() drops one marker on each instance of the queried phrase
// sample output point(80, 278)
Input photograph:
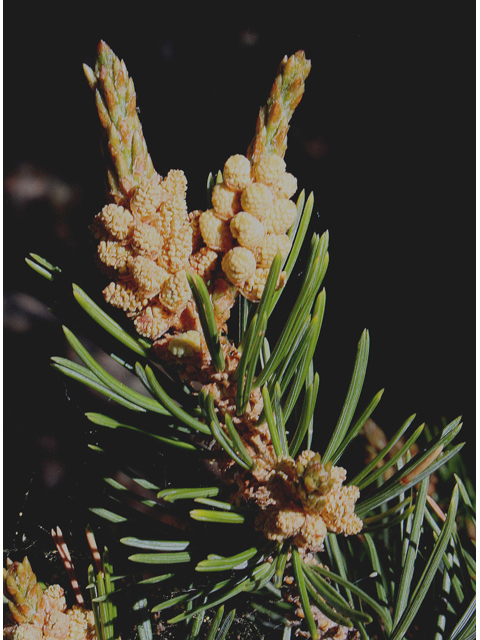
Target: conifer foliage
point(269, 530)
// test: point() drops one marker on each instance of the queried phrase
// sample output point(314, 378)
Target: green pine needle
point(310, 339)
point(172, 407)
point(271, 423)
point(171, 495)
point(420, 591)
point(365, 597)
point(224, 517)
point(174, 557)
point(104, 320)
point(227, 623)
point(306, 417)
point(224, 441)
point(352, 398)
point(419, 467)
point(216, 623)
point(110, 423)
point(226, 564)
point(411, 552)
point(43, 267)
point(106, 514)
point(207, 319)
point(110, 381)
point(372, 477)
point(144, 626)
point(355, 430)
point(314, 274)
point(302, 592)
point(237, 441)
point(155, 545)
point(85, 376)
point(375, 463)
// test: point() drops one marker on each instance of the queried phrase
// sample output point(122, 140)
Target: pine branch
point(249, 409)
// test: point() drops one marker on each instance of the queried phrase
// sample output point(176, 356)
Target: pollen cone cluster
point(301, 500)
point(248, 223)
point(145, 244)
point(36, 614)
point(147, 240)
point(252, 210)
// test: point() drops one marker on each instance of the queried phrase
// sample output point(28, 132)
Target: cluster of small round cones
point(248, 223)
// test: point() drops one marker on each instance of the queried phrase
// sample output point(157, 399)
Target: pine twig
point(285, 95)
point(125, 149)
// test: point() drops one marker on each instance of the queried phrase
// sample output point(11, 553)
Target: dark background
point(384, 136)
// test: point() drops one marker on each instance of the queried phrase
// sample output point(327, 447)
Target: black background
point(384, 136)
